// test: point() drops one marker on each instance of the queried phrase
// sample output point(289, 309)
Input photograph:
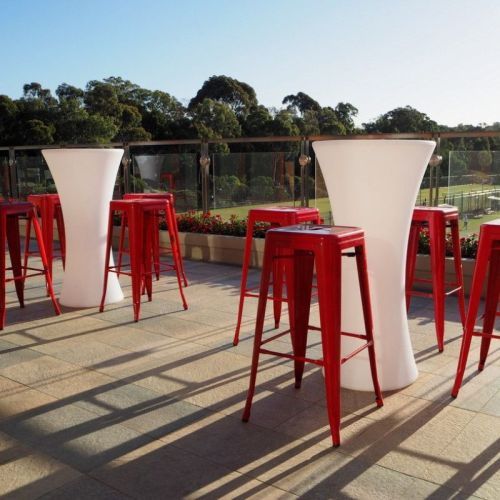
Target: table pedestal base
point(85, 179)
point(373, 185)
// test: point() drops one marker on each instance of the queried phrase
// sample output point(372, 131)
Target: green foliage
point(468, 244)
point(238, 96)
point(230, 187)
point(38, 132)
point(262, 188)
point(301, 103)
point(402, 120)
point(115, 109)
point(485, 159)
point(196, 222)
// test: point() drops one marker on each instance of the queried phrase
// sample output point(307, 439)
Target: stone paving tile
point(55, 377)
point(27, 474)
point(17, 401)
point(11, 354)
point(155, 406)
point(159, 470)
point(470, 462)
point(492, 407)
point(143, 410)
point(85, 488)
point(74, 436)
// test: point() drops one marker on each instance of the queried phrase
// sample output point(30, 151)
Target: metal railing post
point(126, 161)
point(438, 169)
point(304, 162)
point(12, 174)
point(205, 177)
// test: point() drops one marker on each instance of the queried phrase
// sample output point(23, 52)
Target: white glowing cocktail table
point(373, 184)
point(85, 180)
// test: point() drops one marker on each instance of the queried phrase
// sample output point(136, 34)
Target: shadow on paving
point(139, 442)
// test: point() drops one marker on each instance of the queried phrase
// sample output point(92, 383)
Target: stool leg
point(259, 325)
point(15, 255)
point(178, 246)
point(3, 235)
point(121, 243)
point(62, 234)
point(155, 228)
point(436, 232)
point(107, 257)
point(48, 231)
point(457, 259)
point(174, 245)
point(45, 262)
point(368, 319)
point(490, 309)
point(148, 254)
point(475, 296)
point(329, 298)
point(136, 249)
point(278, 275)
point(411, 258)
point(299, 272)
point(244, 276)
point(26, 247)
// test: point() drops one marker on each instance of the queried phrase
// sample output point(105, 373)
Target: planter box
point(229, 250)
point(422, 270)
point(218, 248)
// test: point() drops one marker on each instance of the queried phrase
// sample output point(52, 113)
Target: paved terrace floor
point(96, 406)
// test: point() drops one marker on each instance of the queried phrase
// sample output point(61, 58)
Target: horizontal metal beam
point(272, 139)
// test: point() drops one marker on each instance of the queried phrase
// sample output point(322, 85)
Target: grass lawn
point(323, 205)
point(423, 194)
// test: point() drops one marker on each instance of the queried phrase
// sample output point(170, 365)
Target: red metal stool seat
point(301, 248)
point(277, 217)
point(437, 219)
point(173, 233)
point(48, 207)
point(9, 229)
point(141, 216)
point(488, 252)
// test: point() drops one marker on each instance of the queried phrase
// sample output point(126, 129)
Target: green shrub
point(468, 244)
point(196, 222)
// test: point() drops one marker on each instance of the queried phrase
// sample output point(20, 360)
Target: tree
point(329, 123)
point(239, 96)
point(258, 122)
point(213, 120)
point(115, 98)
point(131, 125)
point(75, 125)
point(37, 132)
point(67, 92)
point(163, 115)
point(345, 113)
point(402, 120)
point(8, 112)
point(283, 124)
point(35, 92)
point(102, 98)
point(300, 103)
point(308, 124)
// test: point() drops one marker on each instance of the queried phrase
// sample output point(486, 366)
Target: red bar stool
point(173, 234)
point(277, 217)
point(488, 252)
point(437, 219)
point(302, 247)
point(141, 217)
point(48, 207)
point(9, 229)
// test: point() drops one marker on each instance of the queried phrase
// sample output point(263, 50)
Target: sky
point(439, 56)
